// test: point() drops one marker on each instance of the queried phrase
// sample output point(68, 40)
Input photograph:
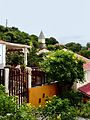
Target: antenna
point(6, 22)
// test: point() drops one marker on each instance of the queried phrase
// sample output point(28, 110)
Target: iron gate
point(18, 84)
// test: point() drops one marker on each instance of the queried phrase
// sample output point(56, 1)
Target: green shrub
point(2, 89)
point(56, 108)
point(25, 113)
point(73, 96)
point(8, 104)
point(84, 110)
point(10, 110)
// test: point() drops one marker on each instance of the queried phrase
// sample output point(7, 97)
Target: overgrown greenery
point(63, 66)
point(84, 110)
point(73, 96)
point(56, 108)
point(14, 35)
point(10, 110)
point(60, 65)
point(65, 108)
point(75, 47)
point(78, 48)
point(60, 109)
point(15, 58)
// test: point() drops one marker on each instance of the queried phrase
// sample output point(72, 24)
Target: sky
point(66, 20)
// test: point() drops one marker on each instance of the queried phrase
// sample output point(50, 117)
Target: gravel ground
point(83, 118)
point(80, 118)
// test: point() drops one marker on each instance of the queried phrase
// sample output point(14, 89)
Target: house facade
point(86, 68)
point(87, 75)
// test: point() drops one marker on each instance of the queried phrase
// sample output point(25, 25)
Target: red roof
point(86, 66)
point(83, 58)
point(85, 89)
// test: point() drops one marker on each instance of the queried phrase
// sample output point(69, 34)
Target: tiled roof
point(86, 66)
point(85, 89)
point(83, 58)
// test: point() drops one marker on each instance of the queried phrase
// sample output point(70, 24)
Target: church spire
point(41, 36)
point(41, 40)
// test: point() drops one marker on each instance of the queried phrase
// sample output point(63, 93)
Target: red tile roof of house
point(86, 66)
point(85, 89)
point(83, 58)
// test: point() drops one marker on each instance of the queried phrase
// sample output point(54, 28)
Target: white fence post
point(7, 80)
point(29, 77)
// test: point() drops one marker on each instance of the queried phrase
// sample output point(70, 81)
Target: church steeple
point(41, 40)
point(41, 36)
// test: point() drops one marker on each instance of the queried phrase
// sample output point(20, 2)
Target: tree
point(51, 41)
point(33, 58)
point(34, 40)
point(88, 45)
point(75, 47)
point(85, 53)
point(15, 58)
point(64, 67)
point(55, 47)
point(59, 109)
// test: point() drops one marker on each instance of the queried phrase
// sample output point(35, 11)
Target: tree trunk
point(64, 87)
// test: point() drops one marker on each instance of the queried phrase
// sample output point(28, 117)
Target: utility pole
point(6, 22)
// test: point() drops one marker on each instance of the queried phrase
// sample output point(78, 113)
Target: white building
point(11, 46)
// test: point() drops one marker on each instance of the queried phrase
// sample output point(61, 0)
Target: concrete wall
point(37, 95)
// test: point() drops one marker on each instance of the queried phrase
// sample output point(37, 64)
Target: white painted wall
point(2, 56)
point(25, 56)
point(7, 80)
point(87, 79)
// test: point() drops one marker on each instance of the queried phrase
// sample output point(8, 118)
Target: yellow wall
point(39, 93)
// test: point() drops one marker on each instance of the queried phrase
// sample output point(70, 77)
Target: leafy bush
point(7, 103)
point(22, 113)
point(63, 66)
point(14, 58)
point(2, 89)
point(25, 112)
point(10, 110)
point(84, 110)
point(73, 96)
point(56, 108)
